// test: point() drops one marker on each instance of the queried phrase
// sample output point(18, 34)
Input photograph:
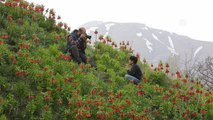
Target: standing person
point(134, 73)
point(72, 43)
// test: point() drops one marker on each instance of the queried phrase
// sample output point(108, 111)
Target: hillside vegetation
point(38, 81)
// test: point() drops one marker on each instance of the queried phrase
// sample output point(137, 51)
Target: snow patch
point(139, 34)
point(108, 26)
point(198, 50)
point(155, 37)
point(172, 51)
point(91, 29)
point(149, 45)
point(171, 42)
point(172, 48)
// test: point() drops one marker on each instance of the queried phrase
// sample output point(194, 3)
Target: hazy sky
point(193, 18)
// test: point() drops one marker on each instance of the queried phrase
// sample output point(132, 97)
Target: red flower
point(209, 101)
point(101, 93)
point(165, 97)
point(128, 101)
point(184, 81)
point(1, 42)
point(203, 111)
point(53, 81)
point(139, 86)
point(194, 114)
point(70, 79)
point(30, 97)
point(45, 69)
point(140, 93)
point(146, 110)
point(167, 65)
point(82, 66)
point(96, 32)
point(138, 55)
point(145, 80)
point(47, 98)
point(60, 24)
point(39, 75)
point(187, 76)
point(88, 115)
point(122, 114)
point(156, 113)
point(167, 71)
point(4, 36)
point(93, 91)
point(174, 101)
point(58, 88)
point(46, 107)
point(9, 18)
point(79, 103)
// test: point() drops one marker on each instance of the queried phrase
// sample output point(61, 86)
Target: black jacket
point(135, 71)
point(82, 45)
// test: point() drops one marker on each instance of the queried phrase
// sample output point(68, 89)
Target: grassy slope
point(37, 81)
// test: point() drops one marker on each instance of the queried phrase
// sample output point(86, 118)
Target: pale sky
point(193, 18)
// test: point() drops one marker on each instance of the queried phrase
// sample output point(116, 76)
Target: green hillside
point(38, 81)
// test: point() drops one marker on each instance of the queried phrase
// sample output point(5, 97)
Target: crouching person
point(134, 73)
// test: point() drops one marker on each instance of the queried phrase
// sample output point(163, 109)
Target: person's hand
point(128, 66)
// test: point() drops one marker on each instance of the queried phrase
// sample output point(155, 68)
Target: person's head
point(81, 30)
point(133, 60)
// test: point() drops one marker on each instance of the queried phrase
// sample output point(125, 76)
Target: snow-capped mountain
point(153, 44)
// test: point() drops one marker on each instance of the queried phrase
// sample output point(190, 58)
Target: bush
point(159, 78)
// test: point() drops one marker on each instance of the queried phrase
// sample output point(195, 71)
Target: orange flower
point(30, 97)
point(47, 98)
point(1, 42)
point(184, 81)
point(53, 80)
point(93, 91)
point(203, 111)
point(82, 66)
point(58, 88)
point(88, 115)
point(79, 103)
point(140, 93)
point(128, 101)
point(165, 97)
point(155, 113)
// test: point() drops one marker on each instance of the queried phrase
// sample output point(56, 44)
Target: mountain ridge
point(151, 43)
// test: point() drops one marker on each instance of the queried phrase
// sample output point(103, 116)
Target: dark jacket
point(73, 37)
point(72, 40)
point(82, 45)
point(135, 71)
